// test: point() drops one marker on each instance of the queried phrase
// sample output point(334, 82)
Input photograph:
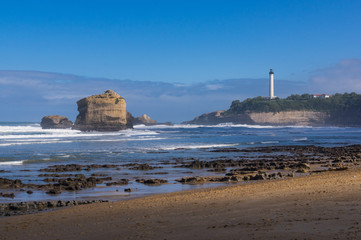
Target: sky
point(172, 60)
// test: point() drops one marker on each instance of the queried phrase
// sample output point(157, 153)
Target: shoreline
point(320, 206)
point(227, 165)
point(245, 167)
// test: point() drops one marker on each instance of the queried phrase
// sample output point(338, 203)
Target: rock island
point(103, 112)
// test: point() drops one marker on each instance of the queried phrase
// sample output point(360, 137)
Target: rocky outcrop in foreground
point(55, 122)
point(103, 112)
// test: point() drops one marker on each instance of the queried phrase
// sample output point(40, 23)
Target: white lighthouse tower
point(271, 85)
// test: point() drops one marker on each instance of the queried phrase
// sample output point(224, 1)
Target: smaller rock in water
point(143, 167)
point(54, 191)
point(7, 195)
point(120, 182)
point(55, 122)
point(145, 119)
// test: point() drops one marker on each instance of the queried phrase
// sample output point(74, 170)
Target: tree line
point(295, 102)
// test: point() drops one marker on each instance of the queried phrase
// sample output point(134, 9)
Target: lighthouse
point(271, 85)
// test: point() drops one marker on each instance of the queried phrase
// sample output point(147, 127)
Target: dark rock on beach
point(143, 167)
point(152, 181)
point(7, 195)
point(21, 208)
point(120, 182)
point(63, 168)
point(73, 168)
point(9, 184)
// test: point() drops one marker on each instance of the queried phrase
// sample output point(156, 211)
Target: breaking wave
point(221, 125)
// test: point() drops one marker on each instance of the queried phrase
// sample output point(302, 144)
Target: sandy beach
point(320, 206)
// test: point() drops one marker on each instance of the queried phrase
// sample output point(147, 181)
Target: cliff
point(304, 118)
point(55, 122)
point(338, 110)
point(103, 112)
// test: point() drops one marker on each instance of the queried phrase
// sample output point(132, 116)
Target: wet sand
point(320, 206)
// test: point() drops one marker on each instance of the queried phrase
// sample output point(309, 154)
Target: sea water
point(25, 148)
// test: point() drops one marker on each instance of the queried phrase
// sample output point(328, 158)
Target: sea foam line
point(220, 125)
point(12, 163)
point(197, 146)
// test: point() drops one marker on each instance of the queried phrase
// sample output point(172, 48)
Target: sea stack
point(103, 112)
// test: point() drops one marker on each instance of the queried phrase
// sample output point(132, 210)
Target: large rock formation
point(55, 122)
point(103, 112)
point(145, 119)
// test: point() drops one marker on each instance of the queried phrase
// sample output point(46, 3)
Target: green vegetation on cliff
point(337, 103)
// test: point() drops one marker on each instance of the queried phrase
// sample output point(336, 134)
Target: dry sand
point(322, 206)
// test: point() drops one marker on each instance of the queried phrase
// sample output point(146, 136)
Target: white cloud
point(345, 76)
point(213, 86)
point(52, 93)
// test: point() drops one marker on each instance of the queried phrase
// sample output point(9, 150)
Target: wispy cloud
point(345, 76)
point(29, 95)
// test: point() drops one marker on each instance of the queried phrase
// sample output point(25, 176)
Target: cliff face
point(103, 112)
point(55, 122)
point(305, 118)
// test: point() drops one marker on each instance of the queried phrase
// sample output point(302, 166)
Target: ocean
point(25, 148)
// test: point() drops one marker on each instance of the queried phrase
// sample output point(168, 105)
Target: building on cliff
point(321, 96)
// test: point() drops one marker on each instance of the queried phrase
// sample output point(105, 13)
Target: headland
point(299, 110)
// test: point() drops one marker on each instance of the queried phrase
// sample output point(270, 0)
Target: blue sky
point(164, 55)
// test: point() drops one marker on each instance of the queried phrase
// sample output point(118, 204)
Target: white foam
point(220, 125)
point(269, 142)
point(32, 142)
point(128, 139)
point(33, 134)
point(12, 163)
point(197, 146)
point(19, 128)
point(300, 139)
